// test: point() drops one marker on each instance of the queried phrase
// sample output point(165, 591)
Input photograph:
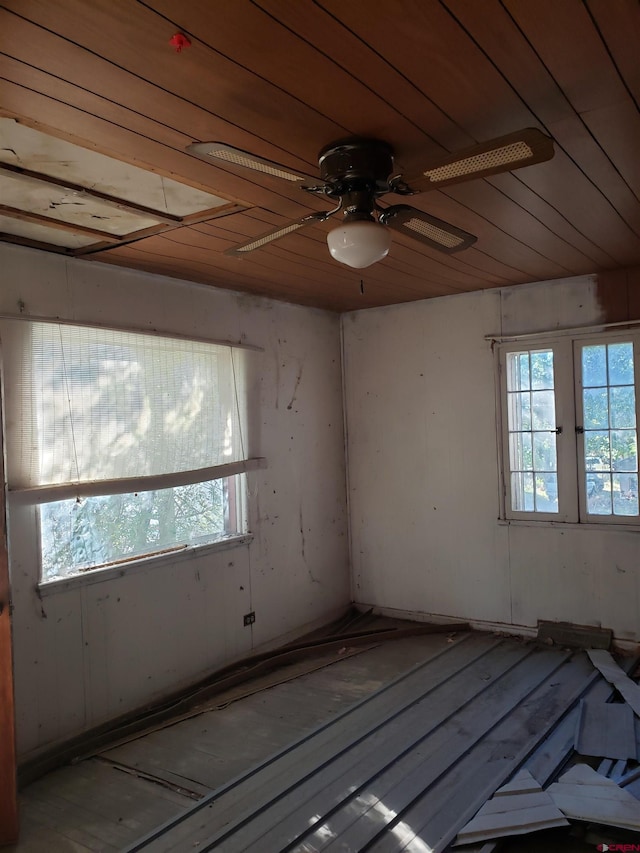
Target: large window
point(570, 429)
point(127, 444)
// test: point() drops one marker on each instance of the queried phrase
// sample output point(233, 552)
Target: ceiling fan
point(356, 172)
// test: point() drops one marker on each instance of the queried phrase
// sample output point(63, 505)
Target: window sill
point(52, 587)
point(570, 525)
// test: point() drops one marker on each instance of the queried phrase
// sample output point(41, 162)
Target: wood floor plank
point(330, 739)
point(628, 689)
point(606, 730)
point(419, 740)
point(583, 794)
point(436, 817)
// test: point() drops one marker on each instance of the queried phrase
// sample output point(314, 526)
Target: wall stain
point(304, 559)
point(296, 386)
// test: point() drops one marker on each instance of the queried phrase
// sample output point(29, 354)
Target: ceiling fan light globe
point(359, 244)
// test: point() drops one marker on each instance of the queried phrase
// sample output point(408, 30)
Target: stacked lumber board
point(606, 729)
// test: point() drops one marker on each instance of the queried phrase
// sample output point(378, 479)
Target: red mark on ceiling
point(179, 41)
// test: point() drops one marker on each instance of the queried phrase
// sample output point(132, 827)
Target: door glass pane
point(542, 370)
point(521, 451)
point(520, 410)
point(544, 451)
point(522, 498)
point(596, 408)
point(598, 494)
point(625, 494)
point(597, 453)
point(543, 411)
point(547, 493)
point(622, 404)
point(594, 366)
point(532, 438)
point(610, 437)
point(620, 359)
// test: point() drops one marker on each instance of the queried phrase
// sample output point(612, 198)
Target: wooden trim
point(39, 219)
point(33, 244)
point(8, 767)
point(134, 236)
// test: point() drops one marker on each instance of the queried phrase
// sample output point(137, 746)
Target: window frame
point(572, 497)
point(603, 338)
point(232, 475)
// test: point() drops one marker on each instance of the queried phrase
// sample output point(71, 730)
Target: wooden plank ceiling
point(283, 78)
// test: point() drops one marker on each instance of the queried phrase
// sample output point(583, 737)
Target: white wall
point(423, 473)
point(91, 653)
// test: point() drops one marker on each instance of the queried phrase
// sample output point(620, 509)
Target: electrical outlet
point(249, 618)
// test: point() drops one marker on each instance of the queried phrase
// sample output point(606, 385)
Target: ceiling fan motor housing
point(358, 165)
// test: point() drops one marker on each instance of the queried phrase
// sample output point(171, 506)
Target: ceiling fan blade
point(275, 234)
point(513, 151)
point(218, 151)
point(427, 229)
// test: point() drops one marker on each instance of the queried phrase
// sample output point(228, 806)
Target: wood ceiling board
point(549, 272)
point(433, 52)
point(346, 48)
point(571, 49)
point(135, 38)
point(584, 205)
point(452, 278)
point(621, 34)
point(289, 267)
point(516, 221)
point(472, 262)
point(585, 73)
point(207, 216)
point(497, 34)
point(137, 258)
point(281, 78)
point(41, 49)
point(373, 297)
point(492, 240)
point(494, 31)
point(122, 143)
point(582, 225)
point(202, 265)
point(222, 270)
point(134, 143)
point(617, 129)
point(585, 254)
point(256, 41)
point(478, 97)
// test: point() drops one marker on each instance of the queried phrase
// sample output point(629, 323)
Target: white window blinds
point(89, 404)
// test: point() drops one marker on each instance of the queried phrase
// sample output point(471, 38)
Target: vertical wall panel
point(422, 460)
point(86, 655)
point(423, 469)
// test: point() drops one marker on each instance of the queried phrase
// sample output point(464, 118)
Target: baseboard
point(515, 630)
